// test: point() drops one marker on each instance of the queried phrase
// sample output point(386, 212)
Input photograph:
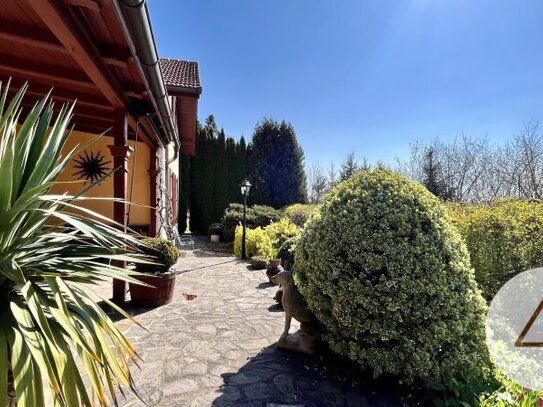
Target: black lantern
point(245, 187)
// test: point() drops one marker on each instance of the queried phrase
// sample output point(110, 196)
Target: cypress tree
point(276, 165)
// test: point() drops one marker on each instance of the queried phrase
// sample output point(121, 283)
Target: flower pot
point(214, 238)
point(160, 293)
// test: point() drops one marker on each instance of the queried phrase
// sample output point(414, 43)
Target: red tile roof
point(181, 74)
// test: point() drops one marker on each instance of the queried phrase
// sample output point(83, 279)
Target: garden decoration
point(274, 268)
point(160, 278)
point(295, 307)
point(91, 167)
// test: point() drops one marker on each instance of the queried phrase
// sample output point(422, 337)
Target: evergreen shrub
point(257, 243)
point(387, 274)
point(299, 213)
point(286, 253)
point(503, 238)
point(162, 251)
point(281, 231)
point(257, 215)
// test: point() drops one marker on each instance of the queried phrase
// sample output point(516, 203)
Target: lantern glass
point(245, 186)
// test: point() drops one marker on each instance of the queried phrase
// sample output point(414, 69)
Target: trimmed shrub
point(387, 274)
point(259, 262)
point(286, 253)
point(281, 231)
point(257, 215)
point(164, 252)
point(299, 213)
point(503, 239)
point(257, 243)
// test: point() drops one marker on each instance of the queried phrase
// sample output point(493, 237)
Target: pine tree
point(433, 178)
point(348, 167)
point(276, 165)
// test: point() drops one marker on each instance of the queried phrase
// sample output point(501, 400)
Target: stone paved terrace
point(219, 348)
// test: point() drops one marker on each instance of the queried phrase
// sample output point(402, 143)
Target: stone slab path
point(219, 348)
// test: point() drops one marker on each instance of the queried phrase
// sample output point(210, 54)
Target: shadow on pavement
point(276, 377)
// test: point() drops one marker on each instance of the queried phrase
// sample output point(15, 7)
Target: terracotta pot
point(160, 293)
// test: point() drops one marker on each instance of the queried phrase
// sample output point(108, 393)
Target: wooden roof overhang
point(83, 50)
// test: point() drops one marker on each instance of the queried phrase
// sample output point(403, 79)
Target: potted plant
point(52, 252)
point(158, 276)
point(215, 232)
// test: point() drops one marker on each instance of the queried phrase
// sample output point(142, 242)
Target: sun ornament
point(91, 167)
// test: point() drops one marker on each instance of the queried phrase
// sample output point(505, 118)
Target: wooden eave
point(80, 48)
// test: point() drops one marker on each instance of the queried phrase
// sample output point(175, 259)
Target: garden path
point(219, 348)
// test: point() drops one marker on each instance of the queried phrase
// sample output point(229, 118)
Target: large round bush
point(388, 276)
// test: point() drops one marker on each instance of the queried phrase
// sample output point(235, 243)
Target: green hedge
point(503, 239)
point(299, 213)
point(266, 241)
point(387, 274)
point(257, 215)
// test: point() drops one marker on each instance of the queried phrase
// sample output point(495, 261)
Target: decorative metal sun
point(91, 167)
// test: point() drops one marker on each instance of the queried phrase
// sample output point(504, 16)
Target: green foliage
point(503, 239)
point(216, 170)
point(299, 213)
point(281, 231)
point(163, 252)
point(510, 394)
point(52, 251)
point(461, 389)
point(257, 243)
point(276, 165)
point(265, 241)
point(387, 274)
point(257, 215)
point(286, 253)
point(433, 176)
point(259, 262)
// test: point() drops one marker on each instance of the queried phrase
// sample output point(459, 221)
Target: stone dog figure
point(295, 307)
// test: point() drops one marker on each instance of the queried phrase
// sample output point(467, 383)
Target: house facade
point(102, 53)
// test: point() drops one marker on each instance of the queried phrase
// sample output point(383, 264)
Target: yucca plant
point(52, 332)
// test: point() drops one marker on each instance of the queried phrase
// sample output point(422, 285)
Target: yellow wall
point(141, 187)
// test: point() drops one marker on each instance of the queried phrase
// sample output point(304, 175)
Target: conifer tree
point(276, 165)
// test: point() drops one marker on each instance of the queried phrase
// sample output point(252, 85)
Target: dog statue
point(295, 307)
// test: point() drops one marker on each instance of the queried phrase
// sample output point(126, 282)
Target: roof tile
point(181, 73)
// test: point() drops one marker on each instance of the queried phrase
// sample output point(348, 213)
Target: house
point(102, 53)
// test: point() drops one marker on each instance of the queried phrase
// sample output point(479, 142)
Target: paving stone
point(219, 349)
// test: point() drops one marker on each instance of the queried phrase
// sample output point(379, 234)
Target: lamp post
point(245, 186)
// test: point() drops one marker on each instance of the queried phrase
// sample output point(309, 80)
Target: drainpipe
point(138, 23)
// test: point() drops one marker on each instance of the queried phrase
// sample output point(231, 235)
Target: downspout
point(138, 22)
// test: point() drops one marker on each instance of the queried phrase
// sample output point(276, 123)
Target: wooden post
point(120, 150)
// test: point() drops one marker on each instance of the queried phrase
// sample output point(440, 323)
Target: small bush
point(163, 251)
point(384, 270)
point(503, 239)
point(299, 213)
point(259, 262)
point(257, 215)
point(286, 253)
point(257, 243)
point(281, 231)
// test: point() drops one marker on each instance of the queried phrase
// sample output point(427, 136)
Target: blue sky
point(368, 76)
